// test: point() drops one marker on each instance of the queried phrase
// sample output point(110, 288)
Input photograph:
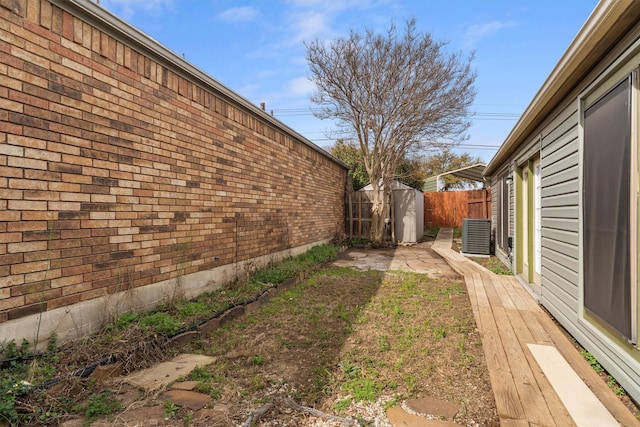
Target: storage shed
point(408, 212)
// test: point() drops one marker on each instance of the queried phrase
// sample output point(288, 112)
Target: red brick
point(100, 165)
point(11, 303)
point(29, 267)
point(27, 205)
point(26, 247)
point(38, 216)
point(63, 301)
point(66, 281)
point(28, 184)
point(27, 226)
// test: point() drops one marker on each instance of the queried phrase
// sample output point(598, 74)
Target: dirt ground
point(346, 342)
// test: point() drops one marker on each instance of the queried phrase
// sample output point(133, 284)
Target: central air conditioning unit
point(476, 236)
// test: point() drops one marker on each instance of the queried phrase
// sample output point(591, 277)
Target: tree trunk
point(378, 212)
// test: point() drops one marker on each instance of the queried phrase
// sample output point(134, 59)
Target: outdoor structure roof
point(472, 173)
point(608, 22)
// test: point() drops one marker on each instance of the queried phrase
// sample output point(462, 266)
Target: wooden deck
point(510, 321)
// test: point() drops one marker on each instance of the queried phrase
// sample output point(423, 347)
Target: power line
point(297, 112)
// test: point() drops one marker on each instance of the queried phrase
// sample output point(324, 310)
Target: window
point(607, 207)
point(502, 233)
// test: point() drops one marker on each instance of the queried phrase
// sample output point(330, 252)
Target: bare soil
point(348, 343)
point(346, 335)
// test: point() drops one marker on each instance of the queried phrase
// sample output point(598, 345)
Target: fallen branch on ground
point(255, 415)
point(288, 403)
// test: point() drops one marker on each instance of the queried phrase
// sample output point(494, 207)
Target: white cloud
point(300, 86)
point(308, 25)
point(239, 14)
point(128, 8)
point(333, 6)
point(477, 32)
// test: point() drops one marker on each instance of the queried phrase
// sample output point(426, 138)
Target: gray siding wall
point(560, 214)
point(561, 155)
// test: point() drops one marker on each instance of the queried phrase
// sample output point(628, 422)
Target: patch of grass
point(440, 332)
point(101, 404)
point(193, 308)
point(291, 267)
point(161, 323)
point(493, 264)
point(200, 373)
point(363, 389)
point(342, 404)
point(209, 389)
point(127, 320)
point(431, 232)
point(257, 360)
point(340, 312)
point(457, 233)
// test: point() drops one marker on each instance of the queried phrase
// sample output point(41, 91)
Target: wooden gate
point(448, 208)
point(358, 221)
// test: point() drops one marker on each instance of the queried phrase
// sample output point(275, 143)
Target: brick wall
point(120, 168)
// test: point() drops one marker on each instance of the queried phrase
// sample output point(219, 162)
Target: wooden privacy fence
point(448, 208)
point(358, 215)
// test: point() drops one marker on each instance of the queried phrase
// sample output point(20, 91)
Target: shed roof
point(471, 173)
point(394, 185)
point(111, 24)
point(608, 22)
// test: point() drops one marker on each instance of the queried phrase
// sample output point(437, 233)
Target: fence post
point(359, 199)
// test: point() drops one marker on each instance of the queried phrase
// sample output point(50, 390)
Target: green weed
point(440, 332)
point(101, 404)
point(342, 405)
point(200, 373)
point(590, 358)
point(161, 323)
point(291, 267)
point(257, 360)
point(170, 410)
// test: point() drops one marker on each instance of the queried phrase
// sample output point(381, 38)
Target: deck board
point(508, 402)
point(529, 391)
point(508, 319)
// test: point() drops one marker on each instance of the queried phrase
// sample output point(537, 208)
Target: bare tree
point(396, 94)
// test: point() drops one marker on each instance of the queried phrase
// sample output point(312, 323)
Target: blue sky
point(256, 48)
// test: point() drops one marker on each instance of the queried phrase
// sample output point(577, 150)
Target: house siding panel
point(562, 224)
point(562, 277)
point(558, 125)
point(560, 166)
point(560, 213)
point(562, 188)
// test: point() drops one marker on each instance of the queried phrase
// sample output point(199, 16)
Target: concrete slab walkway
point(415, 258)
point(537, 375)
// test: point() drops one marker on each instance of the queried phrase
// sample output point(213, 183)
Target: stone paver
point(185, 385)
point(431, 406)
point(161, 375)
point(398, 417)
point(187, 399)
point(416, 258)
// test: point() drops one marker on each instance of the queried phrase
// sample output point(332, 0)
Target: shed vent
point(476, 236)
